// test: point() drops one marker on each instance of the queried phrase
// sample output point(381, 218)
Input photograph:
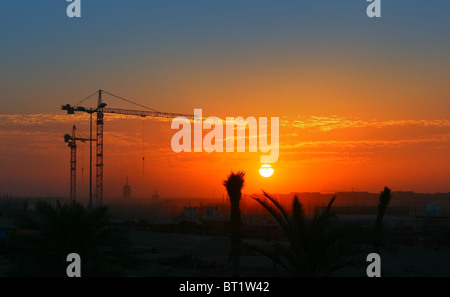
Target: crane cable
point(82, 164)
point(129, 101)
point(118, 97)
point(78, 104)
point(83, 135)
point(143, 147)
point(143, 123)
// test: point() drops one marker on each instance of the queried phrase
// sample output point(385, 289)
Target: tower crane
point(100, 111)
point(71, 141)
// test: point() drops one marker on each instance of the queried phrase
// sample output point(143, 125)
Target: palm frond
point(330, 204)
point(276, 213)
point(234, 180)
point(298, 214)
point(278, 205)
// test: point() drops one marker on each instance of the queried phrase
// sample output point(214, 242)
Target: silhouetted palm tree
point(385, 198)
point(234, 184)
point(72, 228)
point(314, 248)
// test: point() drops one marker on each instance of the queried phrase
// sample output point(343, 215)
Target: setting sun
point(266, 170)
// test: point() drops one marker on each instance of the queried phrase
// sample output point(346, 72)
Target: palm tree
point(72, 228)
point(385, 198)
point(234, 184)
point(314, 248)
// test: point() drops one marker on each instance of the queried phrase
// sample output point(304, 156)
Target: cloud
point(52, 119)
point(350, 144)
point(328, 123)
point(35, 119)
point(38, 131)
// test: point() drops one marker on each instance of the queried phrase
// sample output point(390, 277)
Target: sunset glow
point(358, 106)
point(266, 170)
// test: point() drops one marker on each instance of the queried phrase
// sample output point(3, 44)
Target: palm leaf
point(276, 213)
point(277, 204)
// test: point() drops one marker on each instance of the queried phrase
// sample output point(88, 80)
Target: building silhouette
point(155, 196)
point(127, 191)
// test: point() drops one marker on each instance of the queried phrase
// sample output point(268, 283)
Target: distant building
point(190, 213)
point(155, 196)
point(127, 191)
point(211, 213)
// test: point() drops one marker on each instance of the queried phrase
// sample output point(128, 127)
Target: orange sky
point(317, 153)
point(363, 103)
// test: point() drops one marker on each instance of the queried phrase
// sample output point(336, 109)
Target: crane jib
point(142, 113)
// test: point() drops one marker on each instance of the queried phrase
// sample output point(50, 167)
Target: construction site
point(100, 110)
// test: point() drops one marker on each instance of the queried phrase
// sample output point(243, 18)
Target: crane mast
point(101, 110)
point(99, 155)
point(71, 141)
